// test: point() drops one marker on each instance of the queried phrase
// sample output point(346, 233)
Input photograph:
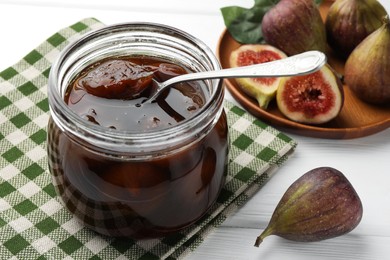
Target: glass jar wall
point(136, 182)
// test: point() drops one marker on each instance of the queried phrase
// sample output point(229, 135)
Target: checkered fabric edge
point(33, 222)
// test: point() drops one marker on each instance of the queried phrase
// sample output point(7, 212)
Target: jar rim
point(70, 121)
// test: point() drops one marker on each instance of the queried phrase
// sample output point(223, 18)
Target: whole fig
point(348, 22)
point(294, 27)
point(367, 70)
point(321, 204)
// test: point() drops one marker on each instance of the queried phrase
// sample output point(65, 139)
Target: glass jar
point(137, 183)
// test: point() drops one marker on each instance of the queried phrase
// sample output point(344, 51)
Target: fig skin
point(294, 27)
point(321, 204)
point(367, 70)
point(313, 99)
point(262, 89)
point(348, 22)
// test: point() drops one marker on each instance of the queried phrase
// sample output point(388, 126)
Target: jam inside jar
point(125, 167)
point(114, 93)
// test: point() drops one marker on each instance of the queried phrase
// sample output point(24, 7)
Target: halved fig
point(315, 98)
point(262, 89)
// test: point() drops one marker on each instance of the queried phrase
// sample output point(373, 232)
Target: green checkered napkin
point(33, 223)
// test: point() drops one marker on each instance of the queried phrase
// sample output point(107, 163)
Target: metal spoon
point(300, 64)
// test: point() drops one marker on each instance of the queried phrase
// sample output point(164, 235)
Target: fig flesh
point(367, 70)
point(294, 27)
point(348, 22)
point(315, 98)
point(321, 204)
point(262, 89)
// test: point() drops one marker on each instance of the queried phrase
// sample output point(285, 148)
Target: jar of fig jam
point(124, 166)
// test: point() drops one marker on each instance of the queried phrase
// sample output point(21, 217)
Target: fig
point(348, 22)
point(367, 69)
point(315, 98)
point(294, 27)
point(262, 89)
point(321, 204)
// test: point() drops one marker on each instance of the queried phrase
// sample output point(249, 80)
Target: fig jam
point(112, 93)
point(137, 194)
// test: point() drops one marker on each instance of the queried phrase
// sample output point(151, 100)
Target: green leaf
point(231, 13)
point(244, 24)
point(247, 27)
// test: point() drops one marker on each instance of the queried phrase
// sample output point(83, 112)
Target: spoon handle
point(300, 64)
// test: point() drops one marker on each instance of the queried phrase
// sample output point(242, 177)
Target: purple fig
point(348, 22)
point(294, 27)
point(367, 70)
point(319, 205)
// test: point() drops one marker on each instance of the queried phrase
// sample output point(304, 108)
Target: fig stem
point(258, 241)
point(386, 20)
point(268, 231)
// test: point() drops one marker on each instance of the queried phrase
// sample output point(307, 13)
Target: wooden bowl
point(356, 119)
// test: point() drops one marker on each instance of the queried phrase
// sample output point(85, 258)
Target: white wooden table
point(365, 161)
